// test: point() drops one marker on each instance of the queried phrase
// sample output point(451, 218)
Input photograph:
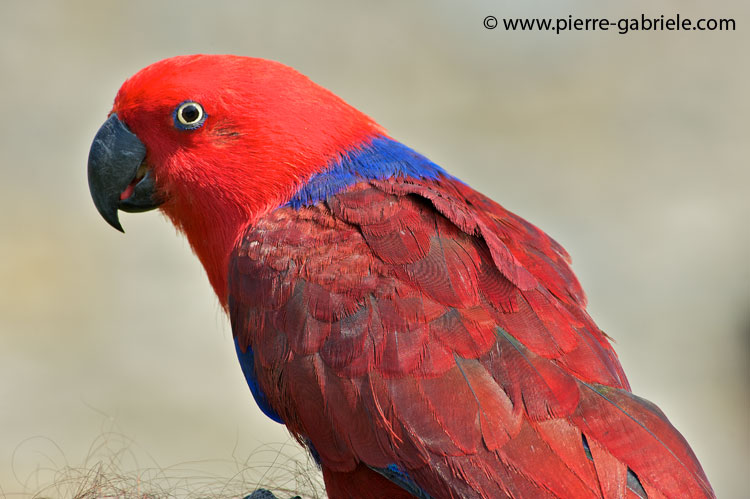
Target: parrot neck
point(214, 237)
point(376, 159)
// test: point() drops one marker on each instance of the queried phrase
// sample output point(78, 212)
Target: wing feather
point(420, 330)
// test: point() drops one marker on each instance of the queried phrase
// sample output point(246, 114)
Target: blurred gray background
point(632, 151)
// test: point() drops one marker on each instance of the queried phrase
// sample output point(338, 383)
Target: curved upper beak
point(118, 179)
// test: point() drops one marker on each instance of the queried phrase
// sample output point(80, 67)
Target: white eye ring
point(189, 115)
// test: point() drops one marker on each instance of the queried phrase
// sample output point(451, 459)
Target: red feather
point(409, 340)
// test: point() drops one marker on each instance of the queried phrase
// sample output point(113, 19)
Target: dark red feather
point(397, 324)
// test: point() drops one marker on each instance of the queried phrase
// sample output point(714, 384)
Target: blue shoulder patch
point(247, 363)
point(380, 159)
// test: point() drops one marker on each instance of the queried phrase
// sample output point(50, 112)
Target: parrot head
point(214, 141)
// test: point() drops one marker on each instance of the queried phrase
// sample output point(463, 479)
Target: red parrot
point(419, 339)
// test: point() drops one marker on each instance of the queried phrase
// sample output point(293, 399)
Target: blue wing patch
point(247, 363)
point(400, 477)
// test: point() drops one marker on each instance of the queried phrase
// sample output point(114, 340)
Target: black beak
point(115, 161)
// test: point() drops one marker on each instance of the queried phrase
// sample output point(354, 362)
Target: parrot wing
point(416, 330)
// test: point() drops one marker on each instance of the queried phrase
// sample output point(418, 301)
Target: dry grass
point(111, 470)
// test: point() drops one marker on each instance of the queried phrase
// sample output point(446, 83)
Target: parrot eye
point(189, 116)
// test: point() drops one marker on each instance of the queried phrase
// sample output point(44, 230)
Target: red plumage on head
point(270, 129)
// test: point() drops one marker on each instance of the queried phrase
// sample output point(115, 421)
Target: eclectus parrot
point(418, 338)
